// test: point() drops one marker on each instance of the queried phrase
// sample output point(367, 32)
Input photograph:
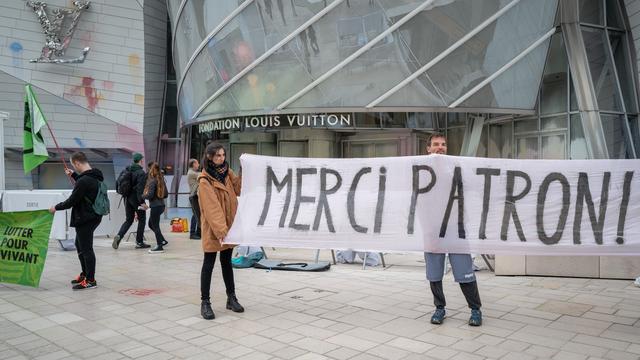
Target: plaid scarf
point(218, 172)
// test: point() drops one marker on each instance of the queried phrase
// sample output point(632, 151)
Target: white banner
point(441, 204)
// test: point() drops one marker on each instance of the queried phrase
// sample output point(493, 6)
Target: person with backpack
point(130, 185)
point(87, 204)
point(155, 191)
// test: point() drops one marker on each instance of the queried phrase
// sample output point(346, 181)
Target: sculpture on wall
point(56, 42)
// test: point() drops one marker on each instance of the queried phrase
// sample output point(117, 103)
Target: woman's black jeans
point(207, 270)
point(154, 223)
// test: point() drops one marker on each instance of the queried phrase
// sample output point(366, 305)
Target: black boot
point(233, 304)
point(206, 311)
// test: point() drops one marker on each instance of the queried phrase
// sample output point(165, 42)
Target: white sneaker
point(637, 282)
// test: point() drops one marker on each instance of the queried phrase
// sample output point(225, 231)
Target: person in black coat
point(133, 204)
point(156, 191)
point(83, 218)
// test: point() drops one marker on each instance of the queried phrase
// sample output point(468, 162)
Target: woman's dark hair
point(156, 174)
point(211, 150)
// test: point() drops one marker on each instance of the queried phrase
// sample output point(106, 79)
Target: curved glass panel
point(418, 93)
point(486, 53)
point(198, 18)
point(269, 83)
point(492, 48)
point(344, 30)
point(506, 91)
point(394, 59)
point(245, 38)
point(320, 47)
point(172, 9)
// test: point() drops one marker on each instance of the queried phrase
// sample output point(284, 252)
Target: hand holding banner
point(24, 241)
point(441, 203)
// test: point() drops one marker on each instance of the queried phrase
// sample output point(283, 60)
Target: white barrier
point(25, 200)
point(28, 200)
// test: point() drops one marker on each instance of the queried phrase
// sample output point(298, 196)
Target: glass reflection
point(578, 143)
point(601, 69)
point(553, 97)
point(612, 125)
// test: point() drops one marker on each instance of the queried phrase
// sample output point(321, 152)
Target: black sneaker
point(156, 250)
point(116, 242)
point(142, 246)
point(165, 243)
point(194, 237)
point(85, 284)
point(80, 278)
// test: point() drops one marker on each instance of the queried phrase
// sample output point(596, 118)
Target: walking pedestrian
point(130, 185)
point(155, 191)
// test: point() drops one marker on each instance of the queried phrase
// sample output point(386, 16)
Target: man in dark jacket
point(83, 218)
point(132, 205)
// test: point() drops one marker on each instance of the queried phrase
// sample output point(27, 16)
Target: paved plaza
point(148, 307)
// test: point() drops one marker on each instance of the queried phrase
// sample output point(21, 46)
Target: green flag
point(24, 241)
point(34, 149)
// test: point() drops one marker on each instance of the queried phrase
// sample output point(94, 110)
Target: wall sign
point(58, 30)
point(277, 121)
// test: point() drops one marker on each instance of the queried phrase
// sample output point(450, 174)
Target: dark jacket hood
point(94, 173)
point(134, 167)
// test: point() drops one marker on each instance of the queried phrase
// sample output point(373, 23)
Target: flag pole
point(3, 116)
point(64, 163)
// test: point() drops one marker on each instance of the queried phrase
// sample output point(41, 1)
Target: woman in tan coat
point(218, 189)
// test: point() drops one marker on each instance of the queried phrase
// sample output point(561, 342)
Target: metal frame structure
point(444, 54)
point(173, 38)
point(264, 56)
point(356, 54)
point(204, 43)
point(578, 64)
point(504, 68)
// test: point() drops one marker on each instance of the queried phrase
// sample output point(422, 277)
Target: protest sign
point(441, 203)
point(24, 240)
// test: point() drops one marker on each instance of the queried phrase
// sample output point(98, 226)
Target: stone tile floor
point(147, 307)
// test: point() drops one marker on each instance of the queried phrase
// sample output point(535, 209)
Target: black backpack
point(124, 184)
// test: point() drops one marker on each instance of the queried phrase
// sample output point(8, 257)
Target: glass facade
point(441, 64)
point(296, 55)
point(524, 79)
